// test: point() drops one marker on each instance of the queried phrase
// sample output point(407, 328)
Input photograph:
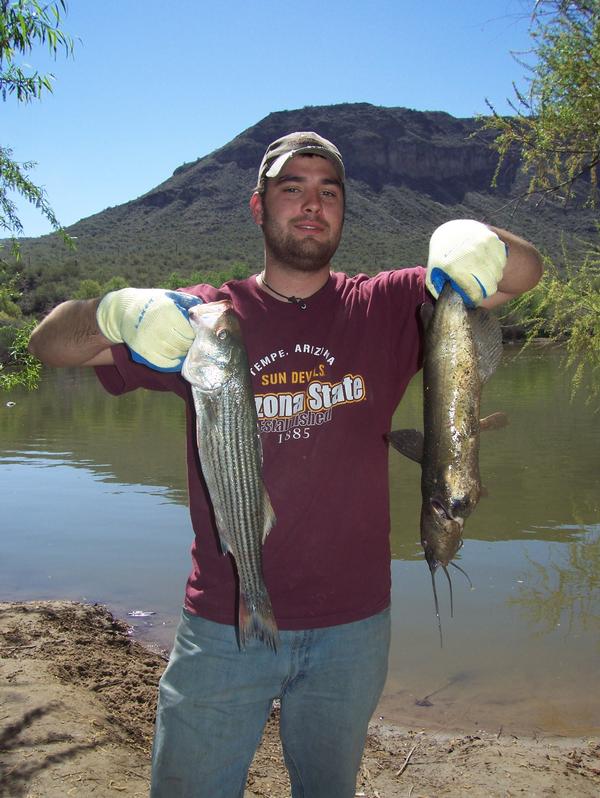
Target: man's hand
point(152, 322)
point(470, 256)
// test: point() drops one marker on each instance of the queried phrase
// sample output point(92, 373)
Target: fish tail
point(256, 619)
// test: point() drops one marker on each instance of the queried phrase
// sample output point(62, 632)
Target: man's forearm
point(522, 271)
point(69, 336)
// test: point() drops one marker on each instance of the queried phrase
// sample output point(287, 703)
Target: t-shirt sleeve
point(127, 375)
point(405, 288)
point(397, 296)
point(409, 294)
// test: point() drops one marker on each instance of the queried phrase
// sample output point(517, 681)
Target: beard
point(305, 254)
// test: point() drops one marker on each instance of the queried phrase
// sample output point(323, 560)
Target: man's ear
point(256, 208)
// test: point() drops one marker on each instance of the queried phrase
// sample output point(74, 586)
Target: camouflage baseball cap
point(280, 151)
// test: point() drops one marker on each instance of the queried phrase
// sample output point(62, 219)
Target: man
point(330, 358)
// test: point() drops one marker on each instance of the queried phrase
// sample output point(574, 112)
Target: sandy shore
point(77, 698)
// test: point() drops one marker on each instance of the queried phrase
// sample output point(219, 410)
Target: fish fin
point(408, 442)
point(487, 336)
point(493, 421)
point(225, 547)
point(210, 402)
point(426, 312)
point(268, 515)
point(222, 532)
point(256, 619)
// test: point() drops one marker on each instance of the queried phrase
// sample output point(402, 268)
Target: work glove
point(470, 256)
point(152, 322)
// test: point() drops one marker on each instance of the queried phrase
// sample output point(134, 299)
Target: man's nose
point(312, 201)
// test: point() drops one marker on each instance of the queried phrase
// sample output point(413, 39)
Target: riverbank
point(78, 697)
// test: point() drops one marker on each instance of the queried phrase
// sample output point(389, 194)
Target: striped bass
point(230, 453)
point(462, 349)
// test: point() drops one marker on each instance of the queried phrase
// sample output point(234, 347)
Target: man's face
point(301, 213)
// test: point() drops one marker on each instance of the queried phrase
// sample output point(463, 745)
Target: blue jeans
point(214, 701)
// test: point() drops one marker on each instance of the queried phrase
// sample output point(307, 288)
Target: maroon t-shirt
point(327, 380)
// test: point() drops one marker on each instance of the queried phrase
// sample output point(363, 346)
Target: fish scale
point(231, 457)
point(237, 497)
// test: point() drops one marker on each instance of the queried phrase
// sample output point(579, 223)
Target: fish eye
point(222, 334)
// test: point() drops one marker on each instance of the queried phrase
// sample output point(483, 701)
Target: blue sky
point(153, 84)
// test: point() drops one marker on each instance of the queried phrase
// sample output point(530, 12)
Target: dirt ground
point(77, 699)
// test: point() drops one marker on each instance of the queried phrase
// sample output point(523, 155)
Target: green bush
point(17, 366)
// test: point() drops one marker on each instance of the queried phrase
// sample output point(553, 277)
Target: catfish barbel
point(462, 349)
point(230, 453)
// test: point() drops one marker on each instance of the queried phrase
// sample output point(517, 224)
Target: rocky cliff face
point(408, 171)
point(428, 152)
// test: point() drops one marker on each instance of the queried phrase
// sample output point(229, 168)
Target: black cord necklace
point(301, 303)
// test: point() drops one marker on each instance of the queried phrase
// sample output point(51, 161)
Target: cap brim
point(280, 162)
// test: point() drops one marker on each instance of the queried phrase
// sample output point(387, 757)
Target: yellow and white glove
point(152, 322)
point(469, 255)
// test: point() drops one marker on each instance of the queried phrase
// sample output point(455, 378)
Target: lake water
point(94, 509)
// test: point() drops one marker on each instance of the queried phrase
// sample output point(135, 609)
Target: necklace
point(295, 300)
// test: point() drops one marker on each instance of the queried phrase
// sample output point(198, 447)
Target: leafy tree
point(23, 25)
point(555, 127)
point(18, 367)
point(565, 307)
point(88, 289)
point(173, 282)
point(114, 284)
point(9, 310)
point(556, 130)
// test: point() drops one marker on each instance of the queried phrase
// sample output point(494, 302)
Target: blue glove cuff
point(139, 359)
point(183, 302)
point(439, 277)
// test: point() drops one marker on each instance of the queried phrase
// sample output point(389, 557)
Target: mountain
point(407, 172)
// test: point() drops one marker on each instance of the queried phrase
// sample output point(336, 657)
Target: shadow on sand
point(17, 768)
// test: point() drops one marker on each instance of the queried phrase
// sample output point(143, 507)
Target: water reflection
point(541, 472)
point(564, 593)
point(136, 438)
point(94, 508)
